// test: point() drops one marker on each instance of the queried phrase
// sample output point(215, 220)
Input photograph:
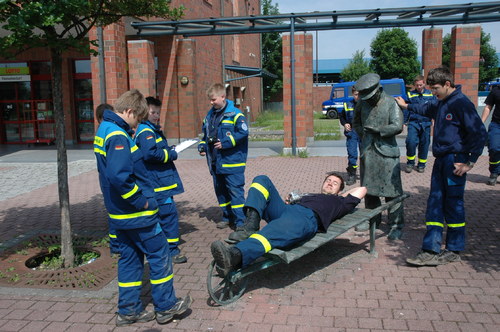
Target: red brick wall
point(141, 66)
point(303, 89)
point(432, 49)
point(320, 94)
point(465, 47)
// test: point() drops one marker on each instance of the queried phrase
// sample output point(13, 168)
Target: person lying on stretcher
point(288, 222)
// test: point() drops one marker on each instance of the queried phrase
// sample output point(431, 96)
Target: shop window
point(82, 95)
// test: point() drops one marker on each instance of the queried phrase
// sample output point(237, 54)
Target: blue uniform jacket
point(123, 176)
point(415, 97)
point(232, 131)
point(348, 115)
point(458, 129)
point(159, 158)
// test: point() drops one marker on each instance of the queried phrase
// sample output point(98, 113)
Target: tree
point(488, 64)
point(60, 26)
point(272, 55)
point(357, 67)
point(394, 54)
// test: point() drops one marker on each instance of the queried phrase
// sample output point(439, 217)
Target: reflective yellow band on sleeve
point(130, 284)
point(113, 236)
point(99, 151)
point(173, 240)
point(233, 165)
point(159, 139)
point(166, 155)
point(161, 281)
point(133, 215)
point(433, 223)
point(165, 188)
point(456, 225)
point(232, 140)
point(262, 240)
point(260, 188)
point(99, 141)
point(224, 204)
point(131, 192)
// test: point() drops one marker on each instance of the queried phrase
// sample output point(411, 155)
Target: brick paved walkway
point(339, 287)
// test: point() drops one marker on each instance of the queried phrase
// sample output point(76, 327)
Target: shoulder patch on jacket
point(149, 137)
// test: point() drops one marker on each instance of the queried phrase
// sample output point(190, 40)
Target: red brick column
point(185, 119)
point(303, 90)
point(115, 58)
point(141, 66)
point(432, 49)
point(464, 62)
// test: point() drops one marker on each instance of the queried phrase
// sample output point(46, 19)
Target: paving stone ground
point(339, 287)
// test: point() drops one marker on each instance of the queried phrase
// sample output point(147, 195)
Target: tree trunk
point(67, 253)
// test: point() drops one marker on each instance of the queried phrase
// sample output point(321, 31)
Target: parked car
point(342, 92)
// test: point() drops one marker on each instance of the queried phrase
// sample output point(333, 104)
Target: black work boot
point(252, 225)
point(351, 175)
point(492, 179)
point(226, 258)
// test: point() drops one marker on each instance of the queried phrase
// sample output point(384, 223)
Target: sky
point(341, 44)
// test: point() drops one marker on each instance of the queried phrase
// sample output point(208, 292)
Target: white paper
point(184, 145)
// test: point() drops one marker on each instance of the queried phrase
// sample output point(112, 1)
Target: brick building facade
point(154, 65)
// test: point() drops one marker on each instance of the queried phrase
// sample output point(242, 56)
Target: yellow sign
point(14, 71)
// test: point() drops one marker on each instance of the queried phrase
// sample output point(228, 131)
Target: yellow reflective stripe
point(355, 166)
point(202, 142)
point(100, 151)
point(433, 223)
point(133, 215)
point(347, 108)
point(422, 160)
point(134, 148)
point(262, 240)
point(114, 133)
point(260, 188)
point(161, 281)
point(411, 157)
point(98, 141)
point(166, 155)
point(131, 192)
point(233, 165)
point(143, 130)
point(173, 240)
point(427, 94)
point(113, 236)
point(130, 284)
point(227, 121)
point(224, 204)
point(236, 117)
point(165, 188)
point(239, 206)
point(159, 139)
point(232, 140)
point(456, 225)
point(494, 162)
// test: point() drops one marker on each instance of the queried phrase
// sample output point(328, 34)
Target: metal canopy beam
point(331, 20)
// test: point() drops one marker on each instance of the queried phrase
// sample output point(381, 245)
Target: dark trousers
point(494, 147)
point(230, 192)
point(419, 134)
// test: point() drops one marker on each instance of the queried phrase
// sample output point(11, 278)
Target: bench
point(230, 288)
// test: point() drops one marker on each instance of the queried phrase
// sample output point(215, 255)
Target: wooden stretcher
point(230, 288)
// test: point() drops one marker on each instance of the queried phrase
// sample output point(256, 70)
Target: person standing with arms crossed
point(352, 141)
point(225, 145)
point(493, 103)
point(459, 137)
point(419, 127)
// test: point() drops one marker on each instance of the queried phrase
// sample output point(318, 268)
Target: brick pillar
point(432, 49)
point(303, 90)
point(141, 66)
point(185, 119)
point(464, 62)
point(115, 58)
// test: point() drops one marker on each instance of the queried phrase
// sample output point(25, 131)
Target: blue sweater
point(458, 129)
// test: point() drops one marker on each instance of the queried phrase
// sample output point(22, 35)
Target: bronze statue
point(377, 121)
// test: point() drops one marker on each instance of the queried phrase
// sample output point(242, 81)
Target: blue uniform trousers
point(352, 143)
point(230, 192)
point(494, 147)
point(134, 244)
point(445, 205)
point(114, 245)
point(170, 226)
point(287, 224)
point(419, 134)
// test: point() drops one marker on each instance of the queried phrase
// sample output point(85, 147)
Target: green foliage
point(357, 67)
point(488, 65)
point(64, 24)
point(272, 59)
point(394, 54)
